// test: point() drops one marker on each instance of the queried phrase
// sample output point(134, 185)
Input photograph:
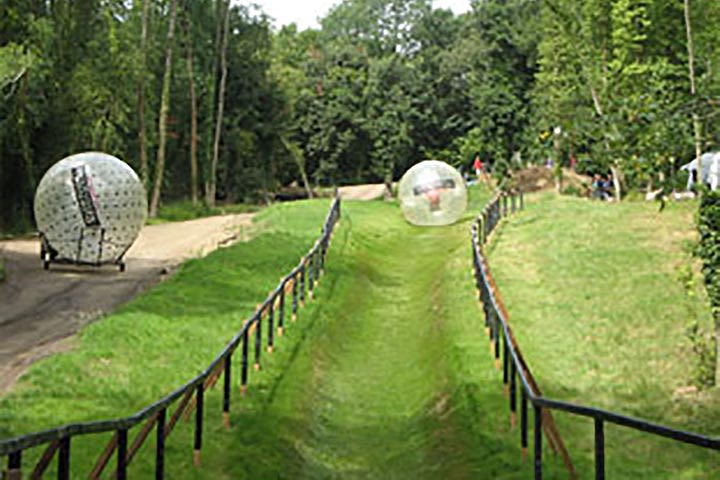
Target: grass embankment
point(181, 211)
point(596, 300)
point(159, 341)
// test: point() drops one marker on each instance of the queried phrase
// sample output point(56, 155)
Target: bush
point(574, 191)
point(709, 252)
point(709, 247)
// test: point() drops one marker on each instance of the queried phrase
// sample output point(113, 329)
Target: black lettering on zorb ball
point(89, 209)
point(85, 196)
point(432, 191)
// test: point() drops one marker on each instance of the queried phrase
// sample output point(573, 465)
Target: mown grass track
point(393, 378)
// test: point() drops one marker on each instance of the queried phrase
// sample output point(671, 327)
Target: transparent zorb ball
point(432, 193)
point(89, 209)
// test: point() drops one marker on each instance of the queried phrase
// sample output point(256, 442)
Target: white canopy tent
point(709, 171)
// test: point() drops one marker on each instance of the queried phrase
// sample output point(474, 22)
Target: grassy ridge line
point(155, 343)
point(597, 306)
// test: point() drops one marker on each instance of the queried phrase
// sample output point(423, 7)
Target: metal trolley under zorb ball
point(89, 209)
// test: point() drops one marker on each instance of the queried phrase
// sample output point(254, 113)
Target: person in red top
point(478, 165)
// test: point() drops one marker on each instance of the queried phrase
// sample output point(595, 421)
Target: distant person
point(608, 187)
point(477, 165)
point(573, 162)
point(479, 168)
point(597, 187)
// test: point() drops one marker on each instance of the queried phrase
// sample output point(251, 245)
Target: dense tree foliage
point(207, 101)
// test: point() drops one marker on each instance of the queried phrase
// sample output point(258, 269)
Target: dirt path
point(362, 192)
point(39, 308)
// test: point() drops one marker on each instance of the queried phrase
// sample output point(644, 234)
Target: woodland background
point(209, 103)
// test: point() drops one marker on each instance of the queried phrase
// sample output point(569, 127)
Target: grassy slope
point(159, 341)
point(392, 379)
point(387, 375)
point(596, 303)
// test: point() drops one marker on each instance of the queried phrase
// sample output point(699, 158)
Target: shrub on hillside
point(709, 252)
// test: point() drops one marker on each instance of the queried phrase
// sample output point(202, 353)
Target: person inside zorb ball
point(432, 193)
point(89, 210)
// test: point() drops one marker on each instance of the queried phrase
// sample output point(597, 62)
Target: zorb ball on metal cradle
point(432, 193)
point(89, 209)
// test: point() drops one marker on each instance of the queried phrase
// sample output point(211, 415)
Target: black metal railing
point(300, 282)
point(514, 366)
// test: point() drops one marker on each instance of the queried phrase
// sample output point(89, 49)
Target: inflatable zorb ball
point(432, 193)
point(89, 210)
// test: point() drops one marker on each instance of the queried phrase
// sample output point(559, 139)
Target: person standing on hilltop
point(479, 168)
point(477, 165)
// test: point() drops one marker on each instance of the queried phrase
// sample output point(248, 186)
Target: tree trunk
point(164, 110)
point(142, 137)
point(212, 181)
point(193, 115)
point(25, 136)
point(388, 180)
point(212, 82)
point(697, 126)
point(295, 152)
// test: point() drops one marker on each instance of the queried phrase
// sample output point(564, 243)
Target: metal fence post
point(281, 311)
point(122, 440)
point(271, 326)
point(311, 277)
point(599, 449)
point(200, 400)
point(258, 340)
point(302, 283)
point(294, 306)
point(505, 362)
point(64, 459)
point(244, 362)
point(538, 441)
point(160, 445)
point(496, 316)
point(513, 395)
point(14, 471)
point(523, 422)
point(227, 386)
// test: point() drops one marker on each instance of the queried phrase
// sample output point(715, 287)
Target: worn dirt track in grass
point(362, 192)
point(40, 307)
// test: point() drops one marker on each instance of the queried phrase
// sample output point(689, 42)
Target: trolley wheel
point(121, 266)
